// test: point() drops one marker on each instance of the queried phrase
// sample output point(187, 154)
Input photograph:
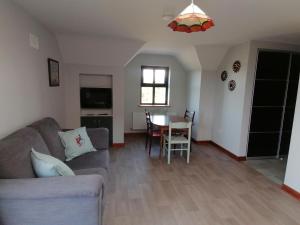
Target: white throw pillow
point(48, 166)
point(76, 143)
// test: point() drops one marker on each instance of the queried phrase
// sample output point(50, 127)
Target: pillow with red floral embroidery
point(76, 143)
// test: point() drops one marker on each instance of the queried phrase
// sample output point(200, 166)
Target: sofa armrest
point(99, 137)
point(51, 187)
point(68, 200)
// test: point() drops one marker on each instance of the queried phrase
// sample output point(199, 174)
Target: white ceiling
point(236, 21)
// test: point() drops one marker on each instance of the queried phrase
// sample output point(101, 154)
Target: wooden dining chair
point(190, 115)
point(178, 143)
point(150, 132)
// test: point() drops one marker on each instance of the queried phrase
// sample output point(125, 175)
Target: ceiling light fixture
point(191, 19)
point(167, 17)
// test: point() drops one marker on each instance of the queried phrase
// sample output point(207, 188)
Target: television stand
point(97, 121)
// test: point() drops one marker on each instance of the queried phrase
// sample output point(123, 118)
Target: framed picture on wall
point(53, 70)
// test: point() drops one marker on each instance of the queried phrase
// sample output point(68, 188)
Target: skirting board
point(118, 145)
point(291, 191)
point(135, 133)
point(230, 154)
point(201, 142)
point(221, 149)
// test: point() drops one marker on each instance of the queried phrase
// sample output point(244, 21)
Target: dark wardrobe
point(273, 104)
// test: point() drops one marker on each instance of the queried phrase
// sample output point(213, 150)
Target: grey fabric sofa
point(26, 199)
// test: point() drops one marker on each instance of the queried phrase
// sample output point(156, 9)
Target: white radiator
point(138, 121)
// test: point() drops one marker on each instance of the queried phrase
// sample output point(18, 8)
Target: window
point(155, 85)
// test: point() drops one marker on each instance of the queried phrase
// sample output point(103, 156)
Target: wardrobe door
point(290, 104)
point(268, 103)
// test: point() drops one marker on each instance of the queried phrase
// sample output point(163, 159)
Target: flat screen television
point(96, 98)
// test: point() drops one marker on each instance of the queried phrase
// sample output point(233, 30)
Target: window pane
point(147, 94)
point(160, 75)
point(148, 76)
point(160, 95)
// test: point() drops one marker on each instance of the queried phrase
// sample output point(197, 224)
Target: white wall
point(200, 98)
point(193, 100)
point(233, 109)
point(25, 95)
point(96, 55)
point(95, 80)
point(229, 105)
point(201, 89)
point(178, 77)
point(206, 106)
point(292, 178)
point(72, 96)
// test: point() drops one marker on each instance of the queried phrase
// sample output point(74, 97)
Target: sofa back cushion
point(49, 128)
point(15, 153)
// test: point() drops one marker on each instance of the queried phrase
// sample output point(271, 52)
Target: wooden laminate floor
point(212, 190)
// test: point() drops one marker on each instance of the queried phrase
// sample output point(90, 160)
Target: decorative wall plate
point(224, 75)
point(231, 85)
point(236, 66)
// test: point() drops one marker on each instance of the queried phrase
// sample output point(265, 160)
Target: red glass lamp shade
point(191, 19)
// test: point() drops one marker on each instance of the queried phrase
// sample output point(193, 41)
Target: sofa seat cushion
point(15, 153)
point(48, 128)
point(97, 171)
point(99, 158)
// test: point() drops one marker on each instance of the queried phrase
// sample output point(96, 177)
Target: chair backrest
point(180, 125)
point(190, 115)
point(148, 120)
point(187, 126)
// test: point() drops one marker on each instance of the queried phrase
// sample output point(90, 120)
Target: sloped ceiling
point(141, 21)
point(186, 54)
point(236, 21)
point(97, 50)
point(210, 56)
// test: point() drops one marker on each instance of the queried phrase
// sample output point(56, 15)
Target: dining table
point(162, 122)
